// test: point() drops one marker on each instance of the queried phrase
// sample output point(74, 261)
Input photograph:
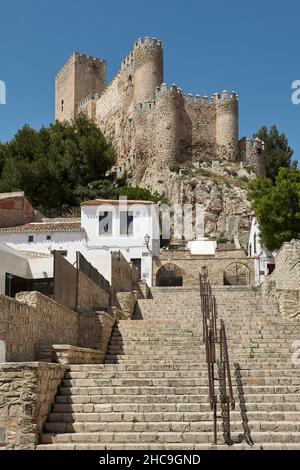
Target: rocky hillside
point(221, 188)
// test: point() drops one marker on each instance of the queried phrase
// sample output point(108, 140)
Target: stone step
point(177, 386)
point(177, 446)
point(148, 379)
point(114, 425)
point(88, 404)
point(247, 360)
point(139, 375)
point(131, 398)
point(165, 437)
point(179, 412)
point(133, 390)
point(130, 437)
point(155, 397)
point(123, 426)
point(99, 382)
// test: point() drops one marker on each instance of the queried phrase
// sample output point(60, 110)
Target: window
point(62, 106)
point(126, 223)
point(30, 239)
point(105, 223)
point(48, 237)
point(255, 243)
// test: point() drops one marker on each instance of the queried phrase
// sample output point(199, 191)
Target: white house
point(264, 260)
point(23, 269)
point(131, 227)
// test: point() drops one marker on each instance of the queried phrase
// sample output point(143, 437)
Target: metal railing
point(219, 356)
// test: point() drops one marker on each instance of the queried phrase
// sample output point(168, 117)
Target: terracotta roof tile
point(101, 202)
point(44, 228)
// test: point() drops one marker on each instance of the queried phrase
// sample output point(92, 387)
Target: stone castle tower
point(150, 124)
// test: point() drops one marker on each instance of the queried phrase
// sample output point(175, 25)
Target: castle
point(149, 123)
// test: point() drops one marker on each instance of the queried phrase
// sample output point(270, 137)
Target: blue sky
point(248, 46)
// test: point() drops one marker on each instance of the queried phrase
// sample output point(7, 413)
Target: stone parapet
point(284, 282)
point(66, 354)
point(27, 392)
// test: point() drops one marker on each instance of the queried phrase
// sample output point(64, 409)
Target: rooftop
point(115, 202)
point(11, 195)
point(44, 227)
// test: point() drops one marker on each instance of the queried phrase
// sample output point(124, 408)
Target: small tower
point(148, 69)
point(80, 77)
point(260, 159)
point(227, 127)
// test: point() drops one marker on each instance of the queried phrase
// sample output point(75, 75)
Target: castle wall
point(200, 129)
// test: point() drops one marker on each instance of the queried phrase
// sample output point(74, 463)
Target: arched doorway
point(169, 275)
point(236, 274)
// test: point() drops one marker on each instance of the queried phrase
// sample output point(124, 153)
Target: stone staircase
point(152, 391)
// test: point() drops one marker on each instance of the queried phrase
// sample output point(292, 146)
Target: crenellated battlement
point(128, 63)
point(218, 98)
point(197, 100)
point(83, 103)
point(148, 42)
point(75, 56)
point(190, 99)
point(164, 88)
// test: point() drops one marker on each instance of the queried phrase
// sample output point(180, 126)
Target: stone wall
point(284, 282)
point(43, 323)
point(38, 319)
point(27, 393)
point(190, 266)
point(95, 330)
point(66, 354)
point(124, 275)
point(127, 302)
point(90, 296)
point(15, 209)
point(200, 142)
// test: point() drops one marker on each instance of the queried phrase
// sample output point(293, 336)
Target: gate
point(236, 274)
point(169, 275)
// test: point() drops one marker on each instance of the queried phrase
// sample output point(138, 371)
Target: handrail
point(210, 339)
point(225, 360)
point(225, 376)
point(208, 307)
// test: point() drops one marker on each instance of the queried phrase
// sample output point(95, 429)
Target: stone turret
point(227, 127)
point(169, 109)
point(82, 76)
point(148, 68)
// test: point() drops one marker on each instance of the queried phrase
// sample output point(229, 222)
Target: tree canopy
point(60, 166)
point(277, 207)
point(278, 153)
